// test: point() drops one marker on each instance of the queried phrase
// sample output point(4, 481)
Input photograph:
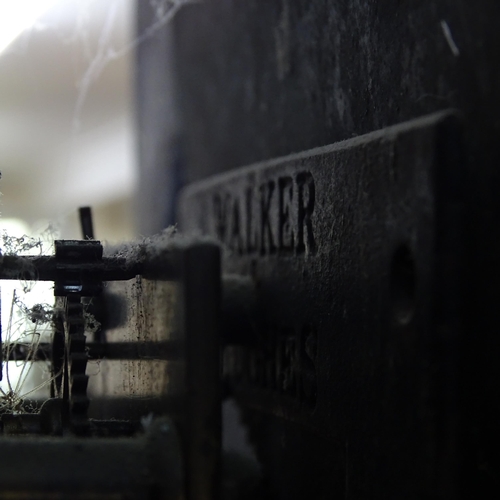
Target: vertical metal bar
point(86, 223)
point(200, 318)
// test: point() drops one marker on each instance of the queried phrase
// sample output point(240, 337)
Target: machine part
point(86, 223)
point(149, 466)
point(170, 345)
point(76, 379)
point(354, 251)
point(247, 82)
point(240, 319)
point(56, 351)
point(198, 315)
point(48, 421)
point(94, 307)
point(73, 284)
point(45, 268)
point(78, 268)
point(103, 350)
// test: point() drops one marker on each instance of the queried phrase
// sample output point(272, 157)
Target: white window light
point(20, 378)
point(19, 15)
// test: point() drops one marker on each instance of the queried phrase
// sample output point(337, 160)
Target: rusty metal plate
point(354, 250)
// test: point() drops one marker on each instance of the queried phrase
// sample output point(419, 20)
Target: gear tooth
point(73, 308)
point(79, 384)
point(76, 329)
point(77, 343)
point(78, 362)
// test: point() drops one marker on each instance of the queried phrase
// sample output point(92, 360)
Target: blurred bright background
point(66, 139)
point(66, 115)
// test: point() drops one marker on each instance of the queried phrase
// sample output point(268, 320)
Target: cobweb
point(26, 369)
point(27, 306)
point(26, 325)
point(99, 55)
point(28, 328)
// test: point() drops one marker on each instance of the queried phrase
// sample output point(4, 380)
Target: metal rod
point(166, 350)
point(44, 268)
point(86, 223)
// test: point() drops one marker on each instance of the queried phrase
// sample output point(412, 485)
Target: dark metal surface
point(160, 356)
point(44, 268)
point(351, 379)
point(86, 223)
point(149, 466)
point(198, 316)
point(256, 80)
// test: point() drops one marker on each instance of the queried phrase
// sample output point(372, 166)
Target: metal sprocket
point(79, 274)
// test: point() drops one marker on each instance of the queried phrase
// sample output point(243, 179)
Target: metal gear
point(78, 275)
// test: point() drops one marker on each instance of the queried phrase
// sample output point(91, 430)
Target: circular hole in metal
point(403, 285)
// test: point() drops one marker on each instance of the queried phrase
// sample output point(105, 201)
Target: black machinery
point(345, 155)
point(154, 410)
point(188, 321)
point(333, 167)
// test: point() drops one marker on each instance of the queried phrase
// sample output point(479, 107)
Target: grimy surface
point(353, 249)
point(232, 83)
